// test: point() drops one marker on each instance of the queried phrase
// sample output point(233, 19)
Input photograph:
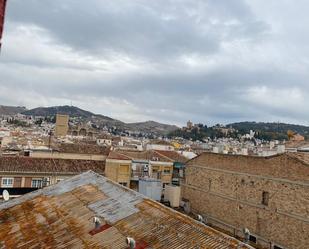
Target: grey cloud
point(169, 60)
point(167, 29)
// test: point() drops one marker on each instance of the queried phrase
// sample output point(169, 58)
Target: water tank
point(244, 151)
point(172, 194)
point(151, 188)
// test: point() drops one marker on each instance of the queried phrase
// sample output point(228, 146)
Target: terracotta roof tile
point(30, 164)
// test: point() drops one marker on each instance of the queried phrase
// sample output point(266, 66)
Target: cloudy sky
point(211, 61)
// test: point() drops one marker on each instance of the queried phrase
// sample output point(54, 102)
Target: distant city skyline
point(209, 61)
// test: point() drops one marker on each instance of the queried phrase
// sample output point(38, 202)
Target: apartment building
point(20, 173)
point(127, 167)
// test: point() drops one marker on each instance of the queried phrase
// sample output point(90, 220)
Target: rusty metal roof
point(60, 216)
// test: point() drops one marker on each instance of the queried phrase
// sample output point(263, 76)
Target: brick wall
point(230, 189)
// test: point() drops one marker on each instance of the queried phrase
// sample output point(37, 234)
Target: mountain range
point(98, 119)
point(11, 110)
point(148, 126)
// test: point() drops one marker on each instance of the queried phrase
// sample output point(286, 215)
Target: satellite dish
point(6, 195)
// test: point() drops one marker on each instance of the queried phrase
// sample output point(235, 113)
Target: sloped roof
point(296, 144)
point(47, 165)
point(150, 155)
point(302, 157)
point(118, 156)
point(82, 148)
point(176, 157)
point(60, 216)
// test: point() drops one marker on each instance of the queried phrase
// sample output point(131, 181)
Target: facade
point(118, 168)
point(20, 173)
point(298, 138)
point(62, 125)
point(163, 147)
point(128, 167)
point(267, 195)
point(90, 211)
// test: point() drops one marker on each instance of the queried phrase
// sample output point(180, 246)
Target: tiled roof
point(303, 157)
point(297, 144)
point(173, 155)
point(160, 142)
point(30, 164)
point(61, 216)
point(145, 155)
point(118, 156)
point(83, 148)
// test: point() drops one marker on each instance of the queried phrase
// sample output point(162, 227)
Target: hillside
point(152, 126)
point(11, 110)
point(270, 131)
point(265, 131)
point(101, 120)
point(51, 111)
point(279, 128)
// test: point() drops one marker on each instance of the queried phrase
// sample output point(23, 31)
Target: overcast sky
point(211, 61)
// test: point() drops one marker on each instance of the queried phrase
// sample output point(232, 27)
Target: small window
point(252, 239)
point(277, 247)
point(7, 182)
point(36, 183)
point(265, 198)
point(167, 171)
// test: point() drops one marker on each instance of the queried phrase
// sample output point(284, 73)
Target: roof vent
point(201, 219)
point(97, 222)
point(246, 234)
point(131, 242)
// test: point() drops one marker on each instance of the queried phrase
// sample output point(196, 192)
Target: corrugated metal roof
point(60, 216)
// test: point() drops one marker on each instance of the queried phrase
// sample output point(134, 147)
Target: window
point(123, 184)
point(265, 198)
point(252, 239)
point(7, 182)
point(36, 183)
point(167, 171)
point(155, 169)
point(277, 247)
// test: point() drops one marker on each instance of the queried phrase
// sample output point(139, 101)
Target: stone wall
point(229, 190)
